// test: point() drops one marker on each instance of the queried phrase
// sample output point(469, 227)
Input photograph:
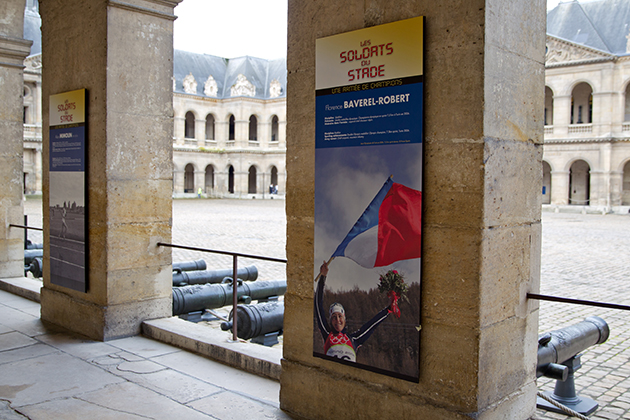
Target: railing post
point(234, 297)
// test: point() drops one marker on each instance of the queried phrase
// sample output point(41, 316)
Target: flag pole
point(327, 263)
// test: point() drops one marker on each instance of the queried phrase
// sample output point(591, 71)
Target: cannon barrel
point(30, 245)
point(256, 320)
point(213, 276)
point(561, 345)
point(198, 297)
point(36, 267)
point(189, 265)
point(31, 254)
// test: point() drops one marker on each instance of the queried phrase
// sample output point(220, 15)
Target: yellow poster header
point(67, 108)
point(384, 52)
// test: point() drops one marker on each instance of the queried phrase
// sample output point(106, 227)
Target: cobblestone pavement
point(588, 257)
point(584, 256)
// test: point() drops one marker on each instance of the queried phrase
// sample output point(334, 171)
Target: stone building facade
point(586, 159)
point(229, 122)
point(230, 114)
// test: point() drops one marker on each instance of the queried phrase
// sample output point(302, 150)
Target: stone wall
point(484, 101)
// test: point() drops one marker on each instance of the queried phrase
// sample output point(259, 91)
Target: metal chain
point(562, 407)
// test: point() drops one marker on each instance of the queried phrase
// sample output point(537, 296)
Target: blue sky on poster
point(347, 179)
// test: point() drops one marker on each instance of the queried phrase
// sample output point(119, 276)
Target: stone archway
point(625, 188)
point(579, 183)
point(546, 187)
point(251, 180)
point(189, 179)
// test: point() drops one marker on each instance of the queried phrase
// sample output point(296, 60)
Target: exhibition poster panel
point(368, 198)
point(67, 190)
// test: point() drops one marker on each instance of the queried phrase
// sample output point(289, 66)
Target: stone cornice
point(145, 10)
point(587, 140)
point(561, 53)
point(13, 51)
point(228, 151)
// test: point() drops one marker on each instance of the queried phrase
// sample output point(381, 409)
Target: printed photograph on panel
point(368, 203)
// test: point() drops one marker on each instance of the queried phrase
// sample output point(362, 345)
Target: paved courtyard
point(584, 256)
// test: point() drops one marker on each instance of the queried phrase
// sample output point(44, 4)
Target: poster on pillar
point(368, 198)
point(67, 190)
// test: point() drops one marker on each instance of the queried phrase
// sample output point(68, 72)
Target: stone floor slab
point(176, 385)
point(223, 376)
point(23, 353)
point(132, 398)
point(26, 382)
point(78, 346)
point(231, 406)
point(15, 340)
point(75, 409)
point(143, 346)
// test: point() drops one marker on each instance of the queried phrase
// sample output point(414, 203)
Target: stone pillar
point(560, 187)
point(38, 170)
point(178, 134)
point(200, 132)
point(200, 180)
point(178, 182)
point(484, 102)
point(13, 51)
point(616, 188)
point(561, 115)
point(121, 52)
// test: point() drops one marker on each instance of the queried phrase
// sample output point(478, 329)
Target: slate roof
point(601, 24)
point(258, 71)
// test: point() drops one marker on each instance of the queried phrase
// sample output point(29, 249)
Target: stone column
point(200, 180)
point(38, 170)
point(13, 51)
point(121, 52)
point(178, 133)
point(560, 187)
point(484, 102)
point(561, 115)
point(200, 132)
point(178, 182)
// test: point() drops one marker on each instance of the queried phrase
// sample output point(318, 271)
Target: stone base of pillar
point(343, 398)
point(100, 322)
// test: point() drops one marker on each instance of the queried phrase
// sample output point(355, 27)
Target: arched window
point(189, 126)
point(582, 104)
point(548, 106)
point(579, 183)
point(546, 187)
point(626, 116)
point(251, 181)
point(209, 180)
point(231, 179)
point(210, 127)
point(231, 128)
point(625, 193)
point(274, 175)
point(189, 179)
point(274, 128)
point(253, 128)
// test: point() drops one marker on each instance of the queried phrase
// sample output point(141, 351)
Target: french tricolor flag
point(389, 229)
